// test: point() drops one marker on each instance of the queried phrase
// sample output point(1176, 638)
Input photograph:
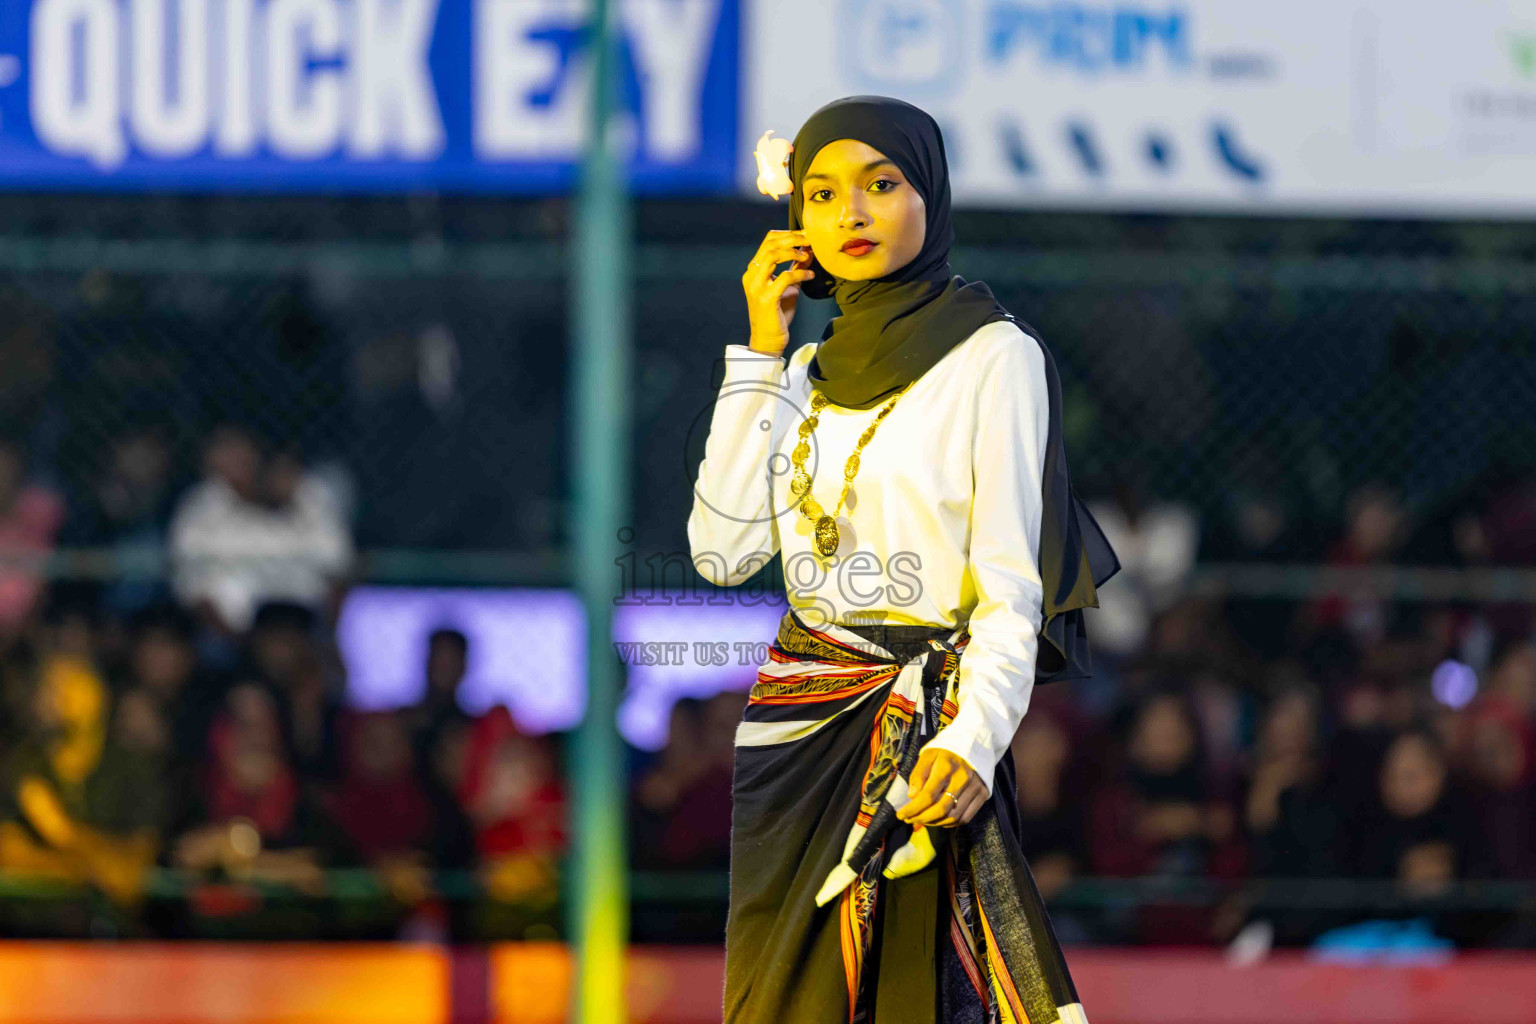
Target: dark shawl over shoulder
point(1075, 558)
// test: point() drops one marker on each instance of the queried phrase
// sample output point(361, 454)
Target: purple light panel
point(653, 689)
point(527, 649)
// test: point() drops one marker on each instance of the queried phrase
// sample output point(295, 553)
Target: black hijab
point(894, 328)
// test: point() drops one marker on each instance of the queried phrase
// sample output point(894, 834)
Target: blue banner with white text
point(485, 96)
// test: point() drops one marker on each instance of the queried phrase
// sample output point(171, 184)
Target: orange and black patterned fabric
point(839, 911)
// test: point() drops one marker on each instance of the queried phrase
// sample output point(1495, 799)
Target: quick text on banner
point(307, 80)
point(350, 75)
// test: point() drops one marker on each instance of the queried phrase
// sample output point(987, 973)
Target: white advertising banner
point(1413, 107)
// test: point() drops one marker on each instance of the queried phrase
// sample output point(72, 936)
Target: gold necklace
point(800, 485)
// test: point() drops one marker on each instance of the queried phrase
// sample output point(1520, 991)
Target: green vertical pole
point(601, 378)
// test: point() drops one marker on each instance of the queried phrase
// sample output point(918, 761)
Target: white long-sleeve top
point(941, 525)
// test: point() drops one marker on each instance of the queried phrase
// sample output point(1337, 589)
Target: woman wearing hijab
point(909, 468)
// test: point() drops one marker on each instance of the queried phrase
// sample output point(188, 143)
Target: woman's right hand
point(771, 300)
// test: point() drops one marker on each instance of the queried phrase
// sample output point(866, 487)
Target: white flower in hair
point(773, 166)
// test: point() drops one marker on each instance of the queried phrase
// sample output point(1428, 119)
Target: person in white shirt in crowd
point(1157, 542)
point(257, 528)
point(909, 469)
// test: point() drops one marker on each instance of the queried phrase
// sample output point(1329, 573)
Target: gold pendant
point(826, 536)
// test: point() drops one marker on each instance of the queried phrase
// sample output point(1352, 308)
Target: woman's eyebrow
point(867, 167)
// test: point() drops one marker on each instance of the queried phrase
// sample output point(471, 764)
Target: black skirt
point(839, 912)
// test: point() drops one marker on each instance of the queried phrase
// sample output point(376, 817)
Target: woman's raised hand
point(771, 300)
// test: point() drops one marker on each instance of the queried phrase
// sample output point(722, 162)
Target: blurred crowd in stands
point(199, 722)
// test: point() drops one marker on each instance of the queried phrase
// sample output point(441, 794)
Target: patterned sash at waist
point(813, 675)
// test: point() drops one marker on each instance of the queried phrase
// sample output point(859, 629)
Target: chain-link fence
point(414, 352)
point(418, 347)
